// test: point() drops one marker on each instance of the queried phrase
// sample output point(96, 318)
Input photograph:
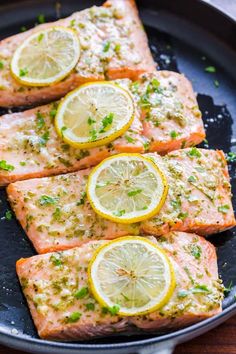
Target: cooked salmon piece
point(56, 288)
point(113, 45)
point(30, 146)
point(56, 214)
point(170, 114)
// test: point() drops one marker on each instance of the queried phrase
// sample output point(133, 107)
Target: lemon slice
point(46, 57)
point(127, 188)
point(94, 114)
point(131, 274)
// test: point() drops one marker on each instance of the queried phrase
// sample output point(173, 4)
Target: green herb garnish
point(106, 46)
point(129, 139)
point(47, 200)
point(40, 120)
point(91, 121)
point(40, 37)
point(80, 294)
point(8, 215)
point(5, 166)
point(194, 152)
point(56, 260)
point(119, 212)
point(210, 69)
point(196, 251)
point(82, 199)
point(223, 209)
point(90, 306)
point(174, 134)
point(74, 317)
point(44, 138)
point(41, 18)
point(23, 72)
point(134, 192)
point(192, 179)
point(107, 120)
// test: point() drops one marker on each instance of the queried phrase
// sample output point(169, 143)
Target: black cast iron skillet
point(185, 36)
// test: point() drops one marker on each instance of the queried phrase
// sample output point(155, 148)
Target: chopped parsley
point(23, 29)
point(119, 212)
point(53, 112)
point(134, 86)
point(47, 200)
point(56, 260)
point(90, 306)
point(23, 72)
point(210, 69)
point(231, 156)
point(153, 86)
point(8, 215)
point(40, 37)
point(40, 120)
point(176, 204)
point(223, 209)
point(199, 289)
point(129, 139)
point(62, 131)
point(93, 134)
point(174, 134)
point(192, 179)
point(117, 48)
point(41, 18)
point(194, 152)
point(113, 310)
point(65, 162)
point(183, 293)
point(5, 166)
point(228, 288)
point(106, 46)
point(107, 120)
point(196, 251)
point(1, 64)
point(183, 216)
point(74, 317)
point(72, 22)
point(44, 138)
point(57, 214)
point(91, 121)
point(80, 294)
point(134, 192)
point(82, 199)
point(22, 163)
point(146, 145)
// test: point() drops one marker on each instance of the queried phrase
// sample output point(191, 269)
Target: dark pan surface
point(175, 50)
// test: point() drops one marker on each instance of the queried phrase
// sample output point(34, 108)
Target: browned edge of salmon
point(52, 284)
point(167, 118)
point(56, 214)
point(115, 26)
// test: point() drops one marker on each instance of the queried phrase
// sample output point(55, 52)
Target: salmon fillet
point(113, 45)
point(167, 117)
point(51, 281)
point(56, 214)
